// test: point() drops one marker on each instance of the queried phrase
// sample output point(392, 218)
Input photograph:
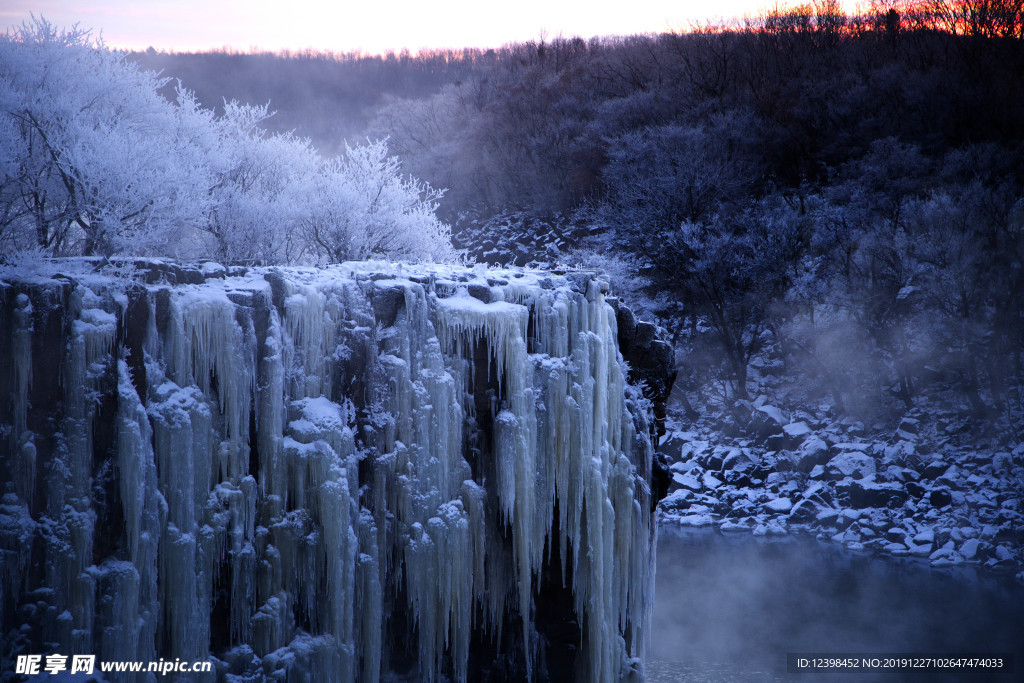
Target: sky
point(372, 26)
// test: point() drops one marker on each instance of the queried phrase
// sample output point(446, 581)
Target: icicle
point(23, 460)
point(302, 465)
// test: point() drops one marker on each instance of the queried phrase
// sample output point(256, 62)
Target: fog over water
point(730, 607)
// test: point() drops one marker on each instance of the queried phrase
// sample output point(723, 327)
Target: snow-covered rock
point(853, 463)
point(774, 414)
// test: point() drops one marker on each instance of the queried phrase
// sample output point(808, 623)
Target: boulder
point(850, 464)
point(813, 451)
point(780, 505)
point(804, 512)
point(867, 494)
point(934, 469)
point(940, 498)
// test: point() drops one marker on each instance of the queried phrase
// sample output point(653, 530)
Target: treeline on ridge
point(834, 199)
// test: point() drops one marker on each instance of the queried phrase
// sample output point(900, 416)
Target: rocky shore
point(930, 488)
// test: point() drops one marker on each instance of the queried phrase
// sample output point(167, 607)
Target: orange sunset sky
point(369, 25)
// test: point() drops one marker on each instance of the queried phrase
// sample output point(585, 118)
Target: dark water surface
point(729, 607)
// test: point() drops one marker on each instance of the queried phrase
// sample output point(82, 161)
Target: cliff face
point(436, 472)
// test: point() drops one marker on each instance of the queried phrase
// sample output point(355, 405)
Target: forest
point(836, 198)
point(833, 197)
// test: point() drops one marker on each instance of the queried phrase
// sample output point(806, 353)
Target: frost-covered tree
point(94, 160)
point(360, 206)
point(662, 175)
point(253, 207)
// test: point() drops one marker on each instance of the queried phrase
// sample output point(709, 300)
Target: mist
point(731, 609)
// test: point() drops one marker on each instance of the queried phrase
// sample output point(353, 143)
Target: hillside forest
point(824, 206)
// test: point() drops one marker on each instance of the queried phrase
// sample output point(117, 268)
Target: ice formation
point(324, 474)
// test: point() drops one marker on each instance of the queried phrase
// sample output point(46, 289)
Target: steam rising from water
point(729, 608)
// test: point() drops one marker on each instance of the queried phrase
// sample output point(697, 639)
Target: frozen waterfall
point(338, 474)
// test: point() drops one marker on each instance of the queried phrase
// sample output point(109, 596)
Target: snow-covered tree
point(94, 160)
point(359, 205)
point(95, 163)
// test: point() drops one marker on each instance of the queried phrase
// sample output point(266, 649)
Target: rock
point(813, 451)
point(817, 472)
point(737, 459)
point(910, 425)
point(950, 479)
point(711, 481)
point(816, 489)
point(651, 361)
point(902, 474)
point(846, 446)
point(761, 427)
point(774, 414)
point(847, 517)
point(828, 517)
point(386, 302)
point(783, 462)
point(677, 500)
point(896, 535)
point(804, 512)
point(866, 494)
point(781, 505)
point(796, 430)
point(946, 551)
point(481, 292)
point(846, 537)
point(713, 461)
point(1002, 462)
point(940, 498)
point(738, 479)
point(915, 489)
point(211, 269)
point(926, 536)
point(850, 464)
point(687, 481)
point(900, 452)
point(696, 520)
point(942, 559)
point(919, 550)
point(969, 550)
point(1003, 553)
point(934, 469)
point(681, 467)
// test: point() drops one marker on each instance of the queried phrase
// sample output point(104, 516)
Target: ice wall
point(439, 473)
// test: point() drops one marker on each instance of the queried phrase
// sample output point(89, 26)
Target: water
point(729, 607)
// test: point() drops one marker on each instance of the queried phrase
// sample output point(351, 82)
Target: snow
point(797, 429)
point(774, 413)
